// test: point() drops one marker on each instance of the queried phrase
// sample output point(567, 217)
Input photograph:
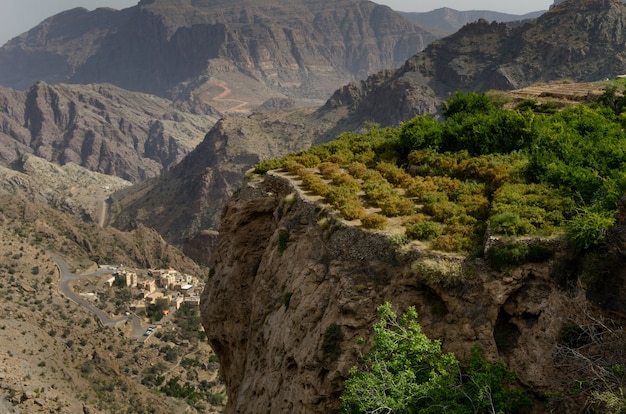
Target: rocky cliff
point(190, 197)
point(286, 270)
point(233, 55)
point(102, 128)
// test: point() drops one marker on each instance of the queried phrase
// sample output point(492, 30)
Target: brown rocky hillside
point(57, 356)
point(102, 128)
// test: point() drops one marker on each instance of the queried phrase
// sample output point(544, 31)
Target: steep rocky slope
point(190, 197)
point(70, 188)
point(57, 356)
point(287, 270)
point(103, 128)
point(233, 55)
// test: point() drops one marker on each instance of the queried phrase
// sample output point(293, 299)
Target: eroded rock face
point(102, 128)
point(286, 270)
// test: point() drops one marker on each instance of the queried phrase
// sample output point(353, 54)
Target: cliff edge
point(294, 288)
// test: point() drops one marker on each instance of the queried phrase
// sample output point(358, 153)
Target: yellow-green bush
point(425, 230)
point(308, 160)
point(316, 184)
point(346, 180)
point(294, 167)
point(352, 210)
point(394, 174)
point(454, 243)
point(374, 221)
point(394, 205)
point(420, 186)
point(327, 169)
point(357, 169)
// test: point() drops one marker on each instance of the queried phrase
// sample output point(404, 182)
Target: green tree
point(468, 103)
point(406, 372)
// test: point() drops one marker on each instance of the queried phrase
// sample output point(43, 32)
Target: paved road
point(67, 276)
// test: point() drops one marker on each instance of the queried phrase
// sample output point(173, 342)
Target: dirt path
point(230, 105)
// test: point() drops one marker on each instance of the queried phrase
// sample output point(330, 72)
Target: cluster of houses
point(179, 289)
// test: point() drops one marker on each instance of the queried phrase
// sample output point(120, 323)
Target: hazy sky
point(18, 16)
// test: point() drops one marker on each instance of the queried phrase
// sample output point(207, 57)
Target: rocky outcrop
point(286, 270)
point(102, 128)
point(189, 198)
point(215, 51)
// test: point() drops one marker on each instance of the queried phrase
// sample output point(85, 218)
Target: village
point(167, 289)
point(148, 295)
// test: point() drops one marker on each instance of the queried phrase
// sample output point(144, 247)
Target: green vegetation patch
point(424, 378)
point(519, 172)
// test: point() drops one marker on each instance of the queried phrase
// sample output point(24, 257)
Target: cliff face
point(103, 128)
point(286, 271)
point(189, 198)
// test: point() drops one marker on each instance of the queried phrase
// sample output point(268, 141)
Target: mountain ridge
point(302, 50)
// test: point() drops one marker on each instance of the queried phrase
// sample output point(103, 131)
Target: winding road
point(66, 276)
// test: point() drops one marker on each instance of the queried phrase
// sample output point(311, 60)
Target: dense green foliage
point(406, 372)
point(531, 170)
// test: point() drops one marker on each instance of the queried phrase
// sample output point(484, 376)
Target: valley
point(204, 203)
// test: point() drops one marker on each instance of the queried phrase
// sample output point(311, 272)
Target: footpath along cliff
point(294, 287)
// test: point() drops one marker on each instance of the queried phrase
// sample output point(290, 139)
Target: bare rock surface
point(103, 128)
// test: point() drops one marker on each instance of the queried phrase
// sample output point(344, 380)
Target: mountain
point(447, 21)
point(577, 40)
point(233, 55)
point(102, 128)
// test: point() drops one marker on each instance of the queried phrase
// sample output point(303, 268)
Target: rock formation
point(286, 270)
point(102, 128)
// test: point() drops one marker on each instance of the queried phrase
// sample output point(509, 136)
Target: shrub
point(458, 243)
point(589, 228)
point(352, 210)
point(502, 257)
point(395, 205)
point(425, 230)
point(510, 224)
point(308, 160)
point(421, 186)
point(374, 221)
point(327, 169)
point(394, 174)
point(267, 165)
point(316, 184)
point(331, 344)
point(438, 271)
point(357, 169)
point(294, 167)
point(346, 180)
point(424, 378)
